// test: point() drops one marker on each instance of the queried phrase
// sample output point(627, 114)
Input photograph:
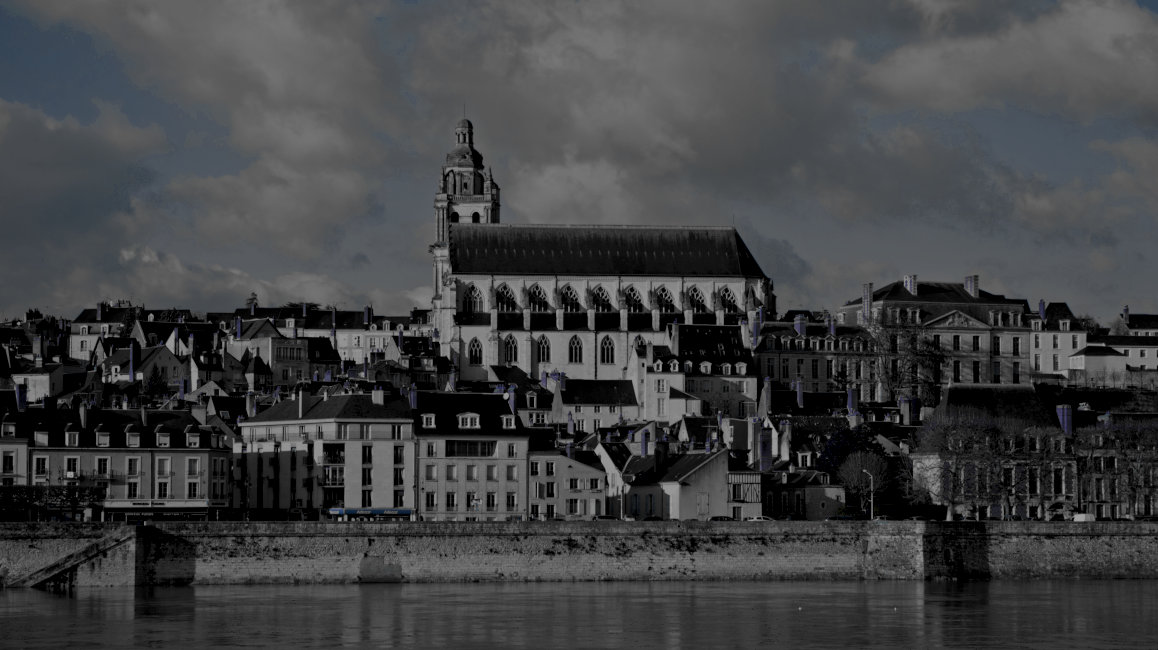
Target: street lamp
point(872, 505)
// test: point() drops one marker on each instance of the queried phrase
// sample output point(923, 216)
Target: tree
point(156, 385)
point(855, 472)
point(842, 443)
point(906, 360)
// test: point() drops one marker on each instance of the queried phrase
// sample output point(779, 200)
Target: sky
point(190, 153)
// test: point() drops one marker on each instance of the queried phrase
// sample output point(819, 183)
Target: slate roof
point(711, 343)
point(1020, 402)
point(599, 391)
point(1142, 321)
point(336, 407)
point(446, 407)
point(679, 467)
point(113, 421)
point(600, 250)
point(1125, 341)
point(1097, 351)
point(944, 292)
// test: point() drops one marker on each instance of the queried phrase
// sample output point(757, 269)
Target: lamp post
point(872, 505)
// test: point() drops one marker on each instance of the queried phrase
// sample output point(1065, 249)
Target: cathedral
point(574, 299)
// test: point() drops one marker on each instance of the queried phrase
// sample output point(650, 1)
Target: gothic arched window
point(544, 348)
point(472, 301)
point(728, 301)
point(571, 303)
point(575, 350)
point(664, 301)
point(639, 344)
point(607, 351)
point(634, 302)
point(696, 301)
point(538, 300)
point(474, 353)
point(505, 299)
point(602, 301)
point(510, 349)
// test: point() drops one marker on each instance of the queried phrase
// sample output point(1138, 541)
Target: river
point(1046, 614)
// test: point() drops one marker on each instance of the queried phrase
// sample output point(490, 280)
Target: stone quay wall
point(351, 552)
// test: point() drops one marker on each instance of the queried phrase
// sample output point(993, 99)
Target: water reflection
point(587, 615)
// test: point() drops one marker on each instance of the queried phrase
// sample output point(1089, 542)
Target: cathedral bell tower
point(466, 194)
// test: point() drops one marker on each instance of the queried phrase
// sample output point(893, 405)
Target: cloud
point(1082, 59)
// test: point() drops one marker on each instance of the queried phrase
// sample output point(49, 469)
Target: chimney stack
point(800, 392)
point(378, 396)
point(643, 443)
point(301, 398)
point(1041, 311)
point(144, 418)
point(413, 396)
point(1065, 418)
point(100, 311)
point(250, 404)
point(800, 324)
point(866, 304)
point(21, 397)
point(911, 284)
point(1126, 314)
point(973, 285)
point(853, 398)
point(82, 412)
point(366, 315)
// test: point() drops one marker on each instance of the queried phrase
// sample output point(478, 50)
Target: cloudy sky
point(188, 153)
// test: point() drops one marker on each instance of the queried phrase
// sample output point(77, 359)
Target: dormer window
point(673, 366)
point(162, 440)
point(659, 366)
point(84, 330)
point(1065, 325)
point(116, 370)
point(468, 421)
point(532, 400)
point(508, 422)
point(427, 420)
point(133, 439)
point(741, 368)
point(193, 440)
point(8, 430)
point(726, 369)
point(1036, 325)
point(706, 367)
point(71, 438)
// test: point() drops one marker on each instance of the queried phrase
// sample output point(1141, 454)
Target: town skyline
point(296, 157)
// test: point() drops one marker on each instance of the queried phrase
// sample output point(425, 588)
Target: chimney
point(39, 361)
point(562, 381)
point(82, 413)
point(643, 443)
point(237, 328)
point(413, 396)
point(378, 396)
point(569, 445)
point(452, 385)
point(192, 347)
point(973, 285)
point(853, 398)
point(366, 315)
point(801, 324)
point(132, 361)
point(1126, 314)
point(250, 404)
point(866, 302)
point(570, 423)
point(905, 406)
point(304, 314)
point(100, 311)
point(1041, 311)
point(1065, 418)
point(799, 392)
point(911, 284)
point(785, 440)
point(21, 397)
point(301, 398)
point(252, 308)
point(144, 418)
point(830, 322)
point(511, 397)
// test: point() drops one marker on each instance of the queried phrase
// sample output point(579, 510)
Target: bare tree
point(906, 360)
point(856, 471)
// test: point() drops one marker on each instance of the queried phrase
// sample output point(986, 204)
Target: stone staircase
point(60, 574)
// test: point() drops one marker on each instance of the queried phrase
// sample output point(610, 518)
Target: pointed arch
point(474, 355)
point(570, 299)
point(664, 301)
point(575, 350)
point(728, 301)
point(537, 298)
point(505, 299)
point(510, 349)
point(601, 301)
point(607, 351)
point(696, 301)
point(544, 349)
point(472, 301)
point(634, 301)
point(639, 344)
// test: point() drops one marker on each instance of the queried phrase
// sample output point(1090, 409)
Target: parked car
point(604, 518)
point(720, 518)
point(759, 518)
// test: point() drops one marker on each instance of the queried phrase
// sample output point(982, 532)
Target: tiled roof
point(600, 250)
point(336, 407)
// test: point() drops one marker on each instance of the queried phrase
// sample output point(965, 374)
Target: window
point(1017, 346)
point(510, 349)
point(399, 498)
point(492, 502)
point(996, 345)
point(512, 450)
point(431, 472)
point(661, 386)
point(512, 472)
point(192, 489)
point(997, 372)
point(508, 421)
point(399, 455)
point(452, 472)
point(468, 421)
point(1074, 343)
point(538, 300)
point(1016, 372)
point(664, 301)
point(593, 484)
point(451, 500)
point(1037, 340)
point(474, 355)
point(575, 350)
point(472, 302)
point(534, 468)
point(936, 342)
point(570, 300)
point(511, 501)
point(1056, 364)
point(431, 500)
point(428, 423)
point(976, 343)
point(573, 484)
point(696, 301)
point(471, 448)
point(634, 302)
point(132, 466)
point(162, 440)
point(550, 490)
point(607, 351)
point(572, 506)
point(544, 351)
point(1037, 362)
point(601, 301)
point(550, 468)
point(492, 472)
point(957, 342)
point(430, 450)
point(505, 300)
point(976, 372)
point(399, 476)
point(661, 406)
point(1055, 341)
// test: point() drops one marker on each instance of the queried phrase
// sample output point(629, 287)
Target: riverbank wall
point(74, 555)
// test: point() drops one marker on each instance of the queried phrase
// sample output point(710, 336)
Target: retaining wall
point(264, 553)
